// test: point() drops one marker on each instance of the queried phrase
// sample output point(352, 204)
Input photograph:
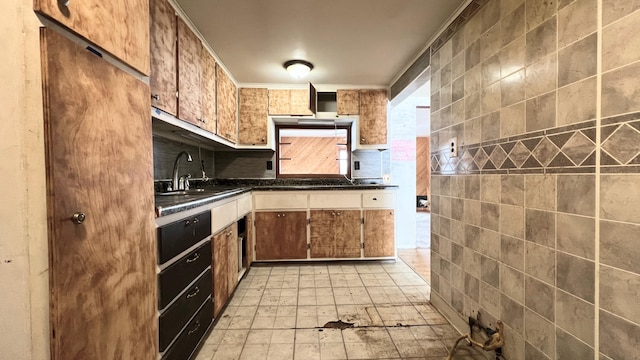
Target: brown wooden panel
point(189, 74)
point(335, 233)
point(348, 102)
point(279, 102)
point(252, 116)
point(232, 247)
point(208, 92)
point(164, 52)
point(378, 233)
point(248, 242)
point(220, 268)
point(373, 117)
point(310, 155)
point(348, 237)
point(121, 27)
point(423, 166)
point(300, 102)
point(281, 235)
point(227, 105)
point(103, 271)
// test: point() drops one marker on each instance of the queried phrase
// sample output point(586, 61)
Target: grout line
point(596, 325)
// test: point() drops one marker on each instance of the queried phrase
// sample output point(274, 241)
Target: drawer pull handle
point(229, 233)
point(374, 199)
point(196, 220)
point(195, 257)
point(193, 293)
point(195, 328)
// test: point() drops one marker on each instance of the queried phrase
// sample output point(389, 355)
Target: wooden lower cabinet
point(220, 266)
point(335, 233)
point(281, 235)
point(248, 242)
point(232, 253)
point(379, 233)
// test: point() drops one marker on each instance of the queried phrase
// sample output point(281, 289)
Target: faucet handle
point(186, 181)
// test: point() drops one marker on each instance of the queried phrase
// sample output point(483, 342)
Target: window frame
point(311, 127)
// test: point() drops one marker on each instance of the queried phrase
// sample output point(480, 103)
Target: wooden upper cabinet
point(379, 233)
point(102, 271)
point(227, 105)
point(252, 117)
point(348, 102)
point(281, 235)
point(292, 102)
point(164, 50)
point(189, 74)
point(120, 27)
point(208, 92)
point(279, 102)
point(373, 117)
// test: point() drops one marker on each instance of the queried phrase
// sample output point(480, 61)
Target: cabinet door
point(300, 102)
point(281, 235)
point(208, 92)
point(373, 117)
point(220, 269)
point(232, 247)
point(248, 242)
point(102, 270)
point(335, 233)
point(379, 233)
point(121, 27)
point(279, 102)
point(189, 74)
point(164, 52)
point(348, 102)
point(227, 106)
point(253, 116)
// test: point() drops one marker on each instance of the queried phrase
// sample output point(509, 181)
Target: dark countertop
point(171, 204)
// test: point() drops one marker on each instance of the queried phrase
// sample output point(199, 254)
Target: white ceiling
point(356, 42)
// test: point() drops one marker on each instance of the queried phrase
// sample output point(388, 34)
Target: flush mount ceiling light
point(298, 68)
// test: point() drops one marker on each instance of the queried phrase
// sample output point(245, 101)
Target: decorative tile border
point(570, 149)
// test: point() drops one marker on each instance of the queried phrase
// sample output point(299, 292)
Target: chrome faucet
point(176, 183)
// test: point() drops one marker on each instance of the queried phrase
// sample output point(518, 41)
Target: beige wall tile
point(577, 102)
point(490, 188)
point(490, 70)
point(514, 349)
point(457, 111)
point(540, 191)
point(435, 81)
point(512, 252)
point(577, 21)
point(506, 6)
point(490, 98)
point(575, 316)
point(576, 194)
point(490, 299)
point(620, 93)
point(541, 112)
point(576, 235)
point(490, 271)
point(472, 187)
point(512, 120)
point(578, 61)
point(472, 106)
point(472, 263)
point(618, 338)
point(512, 283)
point(512, 314)
point(619, 245)
point(621, 42)
point(512, 189)
point(540, 262)
point(472, 131)
point(457, 66)
point(540, 297)
point(490, 15)
point(613, 10)
point(490, 126)
point(576, 276)
point(512, 88)
point(541, 76)
point(539, 332)
point(490, 216)
point(540, 227)
point(472, 287)
point(490, 42)
point(619, 293)
point(538, 11)
point(541, 41)
point(490, 243)
point(512, 25)
point(568, 347)
point(512, 221)
point(472, 80)
point(512, 57)
point(445, 74)
point(472, 55)
point(619, 197)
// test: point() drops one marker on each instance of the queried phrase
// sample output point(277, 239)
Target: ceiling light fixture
point(298, 68)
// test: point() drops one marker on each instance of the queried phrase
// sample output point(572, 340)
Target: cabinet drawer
point(224, 215)
point(191, 336)
point(172, 280)
point(178, 236)
point(378, 200)
point(280, 201)
point(244, 205)
point(176, 316)
point(335, 200)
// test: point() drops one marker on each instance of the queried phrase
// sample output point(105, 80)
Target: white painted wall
point(24, 277)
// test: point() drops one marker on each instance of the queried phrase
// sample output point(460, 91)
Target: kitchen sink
point(182, 192)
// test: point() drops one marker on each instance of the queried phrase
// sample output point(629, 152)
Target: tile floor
point(277, 312)
point(419, 260)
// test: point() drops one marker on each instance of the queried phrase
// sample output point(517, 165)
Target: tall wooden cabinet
point(189, 74)
point(373, 117)
point(252, 116)
point(208, 92)
point(102, 263)
point(120, 27)
point(282, 234)
point(164, 52)
point(227, 105)
point(335, 233)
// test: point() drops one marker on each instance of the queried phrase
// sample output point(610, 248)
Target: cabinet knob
point(338, 213)
point(155, 97)
point(79, 217)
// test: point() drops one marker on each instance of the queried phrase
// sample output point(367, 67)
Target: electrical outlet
point(453, 147)
point(356, 165)
point(269, 165)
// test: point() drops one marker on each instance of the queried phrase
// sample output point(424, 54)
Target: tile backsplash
point(164, 156)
